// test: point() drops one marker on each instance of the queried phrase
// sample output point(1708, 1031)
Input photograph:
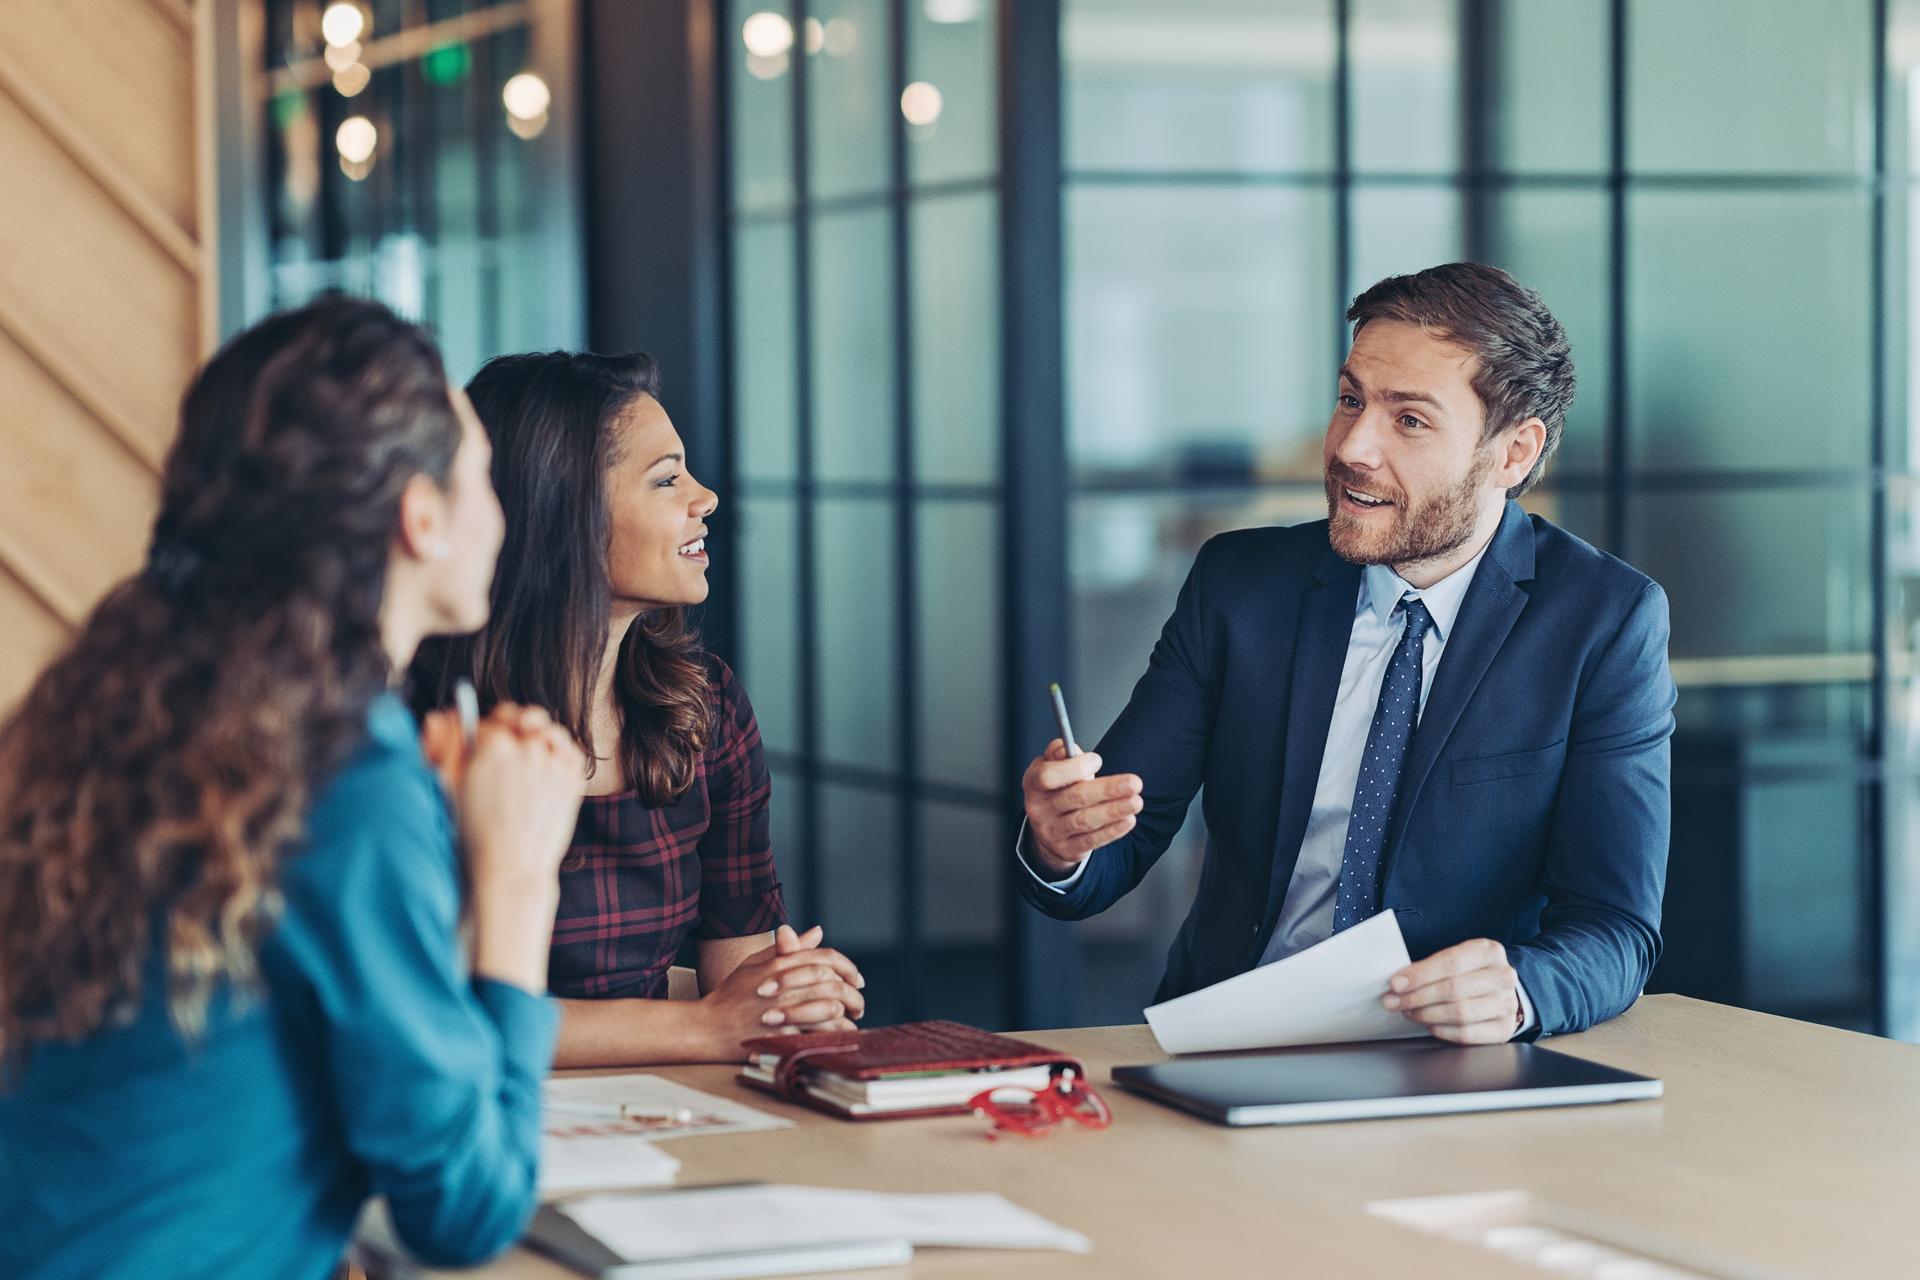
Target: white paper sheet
point(598, 1162)
point(1327, 994)
point(684, 1112)
point(740, 1219)
point(586, 1144)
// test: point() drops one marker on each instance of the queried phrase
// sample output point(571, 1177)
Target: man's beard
point(1436, 528)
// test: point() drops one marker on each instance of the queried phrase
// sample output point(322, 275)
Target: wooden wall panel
point(32, 636)
point(103, 143)
point(119, 75)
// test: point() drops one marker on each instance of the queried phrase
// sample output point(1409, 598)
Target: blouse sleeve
point(739, 886)
point(435, 1077)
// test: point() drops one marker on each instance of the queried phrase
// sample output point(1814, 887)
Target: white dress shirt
point(1306, 916)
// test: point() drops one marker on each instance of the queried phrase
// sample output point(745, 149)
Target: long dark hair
point(551, 416)
point(157, 769)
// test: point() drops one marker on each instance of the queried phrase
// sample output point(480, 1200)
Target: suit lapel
point(1326, 624)
point(1493, 603)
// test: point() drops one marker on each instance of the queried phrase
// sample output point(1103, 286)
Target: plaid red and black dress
point(638, 880)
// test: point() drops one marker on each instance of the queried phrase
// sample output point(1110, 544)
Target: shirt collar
point(1381, 589)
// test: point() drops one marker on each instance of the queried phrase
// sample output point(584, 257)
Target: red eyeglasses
point(1035, 1114)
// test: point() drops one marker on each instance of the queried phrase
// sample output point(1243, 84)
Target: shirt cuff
point(1056, 886)
point(1528, 1019)
point(527, 1023)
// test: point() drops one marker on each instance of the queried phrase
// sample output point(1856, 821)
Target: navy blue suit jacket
point(1534, 805)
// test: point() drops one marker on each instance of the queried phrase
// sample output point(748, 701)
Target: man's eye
point(1410, 422)
point(1349, 402)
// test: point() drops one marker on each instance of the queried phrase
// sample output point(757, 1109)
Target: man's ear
point(1519, 452)
point(423, 519)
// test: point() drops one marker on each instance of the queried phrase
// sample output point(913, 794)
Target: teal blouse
point(367, 1064)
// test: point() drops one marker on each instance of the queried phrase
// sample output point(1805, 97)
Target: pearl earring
point(440, 550)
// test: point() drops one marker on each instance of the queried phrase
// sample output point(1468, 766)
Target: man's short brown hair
point(1525, 365)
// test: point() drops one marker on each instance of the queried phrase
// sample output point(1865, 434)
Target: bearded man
point(1431, 702)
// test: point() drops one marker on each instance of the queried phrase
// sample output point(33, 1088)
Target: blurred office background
point(983, 314)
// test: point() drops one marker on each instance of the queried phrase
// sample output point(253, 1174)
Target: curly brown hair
point(158, 769)
point(551, 417)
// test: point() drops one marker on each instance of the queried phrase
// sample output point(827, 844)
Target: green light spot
point(448, 64)
point(288, 106)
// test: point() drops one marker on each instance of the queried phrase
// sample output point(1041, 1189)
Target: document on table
point(746, 1219)
point(1327, 994)
point(598, 1131)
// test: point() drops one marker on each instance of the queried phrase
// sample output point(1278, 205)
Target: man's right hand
point(1071, 810)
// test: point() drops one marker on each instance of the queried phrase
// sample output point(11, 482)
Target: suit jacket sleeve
point(1606, 860)
point(1161, 735)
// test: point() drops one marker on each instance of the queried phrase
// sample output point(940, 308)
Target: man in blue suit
point(1431, 701)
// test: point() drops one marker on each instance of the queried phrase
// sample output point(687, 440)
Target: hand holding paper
point(1326, 994)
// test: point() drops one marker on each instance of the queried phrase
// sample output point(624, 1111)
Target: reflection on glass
point(850, 105)
point(769, 643)
point(858, 637)
point(1404, 86)
point(1127, 556)
point(1802, 881)
point(853, 343)
point(1206, 85)
point(1557, 242)
point(964, 863)
point(1749, 331)
point(950, 49)
point(787, 820)
point(1903, 87)
point(956, 338)
point(1200, 337)
point(1757, 572)
point(1550, 87)
point(765, 354)
point(1581, 512)
point(1750, 86)
point(409, 181)
point(1399, 229)
point(760, 89)
point(859, 897)
point(957, 587)
point(1902, 891)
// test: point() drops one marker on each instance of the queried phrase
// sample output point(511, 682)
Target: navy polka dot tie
point(1393, 721)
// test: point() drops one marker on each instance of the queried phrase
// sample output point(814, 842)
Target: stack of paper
point(1327, 994)
point(775, 1229)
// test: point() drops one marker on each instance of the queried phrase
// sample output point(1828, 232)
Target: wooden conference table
point(1780, 1149)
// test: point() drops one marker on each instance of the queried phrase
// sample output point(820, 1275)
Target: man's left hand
point(1468, 994)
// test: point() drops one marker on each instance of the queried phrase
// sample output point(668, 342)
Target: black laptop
point(1376, 1082)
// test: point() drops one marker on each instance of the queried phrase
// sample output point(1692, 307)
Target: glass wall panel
point(1405, 86)
point(858, 644)
point(852, 346)
point(1200, 336)
point(952, 130)
point(958, 640)
point(1758, 572)
point(1749, 340)
point(955, 287)
point(765, 352)
point(850, 103)
point(1750, 86)
point(760, 102)
point(1213, 86)
point(1550, 98)
point(769, 649)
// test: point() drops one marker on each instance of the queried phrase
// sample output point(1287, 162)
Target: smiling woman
point(605, 550)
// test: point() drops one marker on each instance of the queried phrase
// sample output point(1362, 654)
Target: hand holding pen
point(1071, 809)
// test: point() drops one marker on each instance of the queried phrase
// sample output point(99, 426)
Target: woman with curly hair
point(605, 551)
point(233, 998)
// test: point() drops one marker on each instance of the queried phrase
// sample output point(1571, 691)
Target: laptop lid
point(1307, 1086)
